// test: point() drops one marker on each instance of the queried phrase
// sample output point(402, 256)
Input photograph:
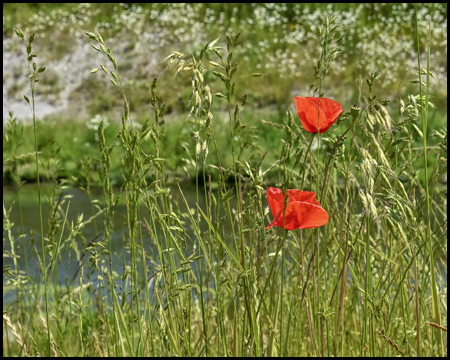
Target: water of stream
point(25, 219)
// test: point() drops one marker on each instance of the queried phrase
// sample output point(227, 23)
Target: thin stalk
point(33, 108)
point(146, 288)
point(317, 231)
point(305, 157)
point(105, 313)
point(285, 352)
point(340, 314)
point(205, 325)
point(311, 330)
point(416, 293)
point(424, 115)
point(80, 318)
point(346, 209)
point(367, 290)
point(246, 288)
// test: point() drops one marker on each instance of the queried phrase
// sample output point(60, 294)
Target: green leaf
point(418, 130)
point(31, 39)
point(232, 306)
point(230, 56)
point(229, 43)
point(26, 99)
point(91, 35)
point(212, 43)
point(19, 33)
point(398, 141)
point(216, 64)
point(95, 47)
point(219, 75)
point(244, 100)
point(99, 37)
point(185, 287)
point(218, 53)
point(235, 260)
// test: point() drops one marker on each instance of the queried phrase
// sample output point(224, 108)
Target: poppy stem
point(304, 162)
point(317, 263)
point(333, 149)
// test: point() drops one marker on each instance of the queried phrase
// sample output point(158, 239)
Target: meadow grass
point(371, 282)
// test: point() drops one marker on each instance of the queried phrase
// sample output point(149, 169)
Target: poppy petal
point(301, 215)
point(306, 215)
point(275, 221)
point(299, 195)
point(302, 212)
point(308, 114)
point(276, 200)
point(332, 109)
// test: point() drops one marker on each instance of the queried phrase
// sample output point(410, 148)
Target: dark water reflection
point(26, 221)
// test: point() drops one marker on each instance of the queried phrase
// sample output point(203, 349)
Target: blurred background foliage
point(281, 41)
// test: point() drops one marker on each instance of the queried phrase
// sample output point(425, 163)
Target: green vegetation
point(72, 145)
point(215, 282)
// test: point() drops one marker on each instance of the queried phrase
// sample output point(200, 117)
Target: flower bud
point(355, 110)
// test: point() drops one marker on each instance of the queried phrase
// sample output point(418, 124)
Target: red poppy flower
point(303, 211)
point(308, 111)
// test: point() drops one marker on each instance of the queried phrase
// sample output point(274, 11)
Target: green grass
point(219, 283)
point(54, 134)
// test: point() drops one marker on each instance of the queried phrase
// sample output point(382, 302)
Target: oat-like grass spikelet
point(368, 164)
point(436, 325)
point(391, 342)
point(381, 154)
point(55, 353)
point(97, 347)
point(16, 334)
